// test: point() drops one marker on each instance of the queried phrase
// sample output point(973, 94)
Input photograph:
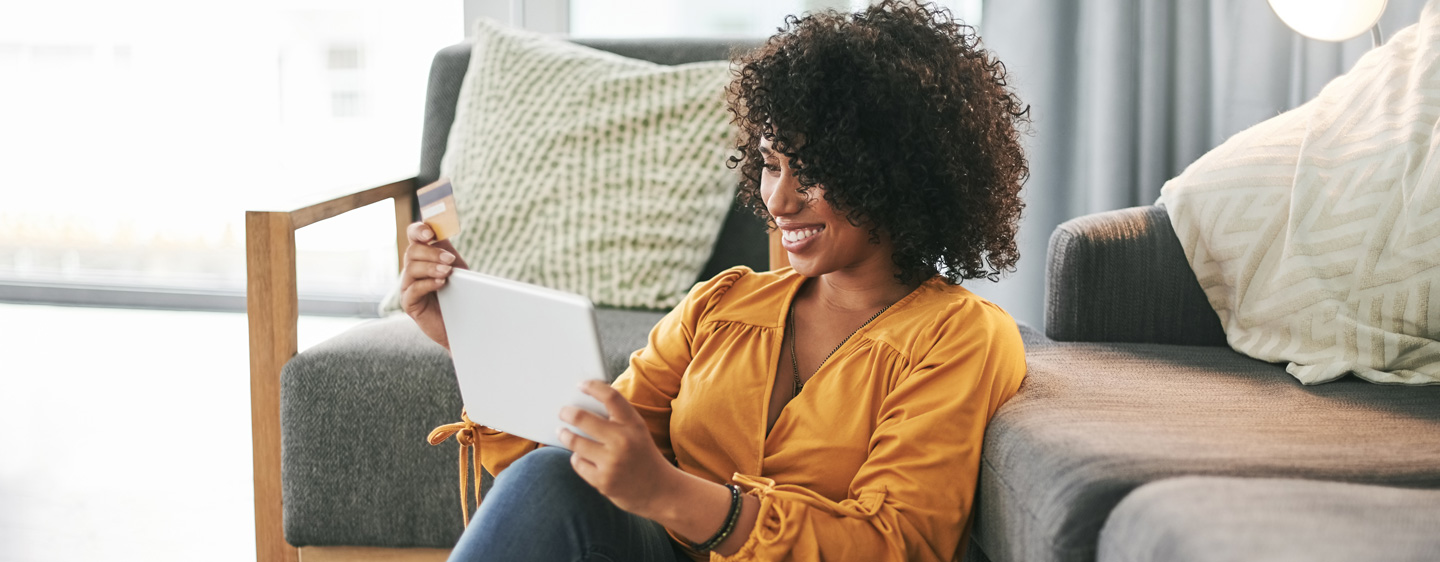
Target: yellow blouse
point(876, 460)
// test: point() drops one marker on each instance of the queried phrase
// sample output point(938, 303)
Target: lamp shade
point(1329, 20)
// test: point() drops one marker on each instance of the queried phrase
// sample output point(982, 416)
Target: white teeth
point(798, 235)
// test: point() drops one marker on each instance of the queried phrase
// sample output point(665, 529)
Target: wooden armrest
point(308, 213)
point(403, 192)
point(272, 307)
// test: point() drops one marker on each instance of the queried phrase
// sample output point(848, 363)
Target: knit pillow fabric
point(586, 171)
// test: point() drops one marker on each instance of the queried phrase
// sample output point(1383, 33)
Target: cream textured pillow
point(1316, 234)
point(586, 171)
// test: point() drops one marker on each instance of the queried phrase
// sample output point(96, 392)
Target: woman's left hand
point(622, 461)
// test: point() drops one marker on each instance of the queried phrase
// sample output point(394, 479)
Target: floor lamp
point(1332, 20)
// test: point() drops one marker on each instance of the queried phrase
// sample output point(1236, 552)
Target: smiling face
point(817, 239)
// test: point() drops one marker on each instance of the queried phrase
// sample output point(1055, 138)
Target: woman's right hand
point(427, 266)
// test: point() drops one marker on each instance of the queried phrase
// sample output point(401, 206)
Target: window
point(134, 143)
point(691, 18)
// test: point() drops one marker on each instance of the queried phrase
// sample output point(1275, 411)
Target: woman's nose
point(785, 199)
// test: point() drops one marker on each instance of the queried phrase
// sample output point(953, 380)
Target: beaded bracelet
point(730, 521)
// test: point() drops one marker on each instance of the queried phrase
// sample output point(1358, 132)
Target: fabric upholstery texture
point(447, 72)
point(1198, 519)
point(973, 552)
point(1094, 421)
point(354, 413)
point(589, 172)
point(1032, 337)
point(1121, 276)
point(1316, 233)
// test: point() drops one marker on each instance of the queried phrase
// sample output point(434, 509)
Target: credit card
point(437, 209)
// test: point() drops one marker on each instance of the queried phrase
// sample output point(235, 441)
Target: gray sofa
point(1132, 384)
point(1207, 518)
point(1129, 388)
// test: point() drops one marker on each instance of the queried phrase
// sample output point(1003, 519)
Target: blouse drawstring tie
point(467, 434)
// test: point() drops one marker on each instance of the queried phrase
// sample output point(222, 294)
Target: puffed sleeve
point(911, 498)
point(653, 379)
point(650, 382)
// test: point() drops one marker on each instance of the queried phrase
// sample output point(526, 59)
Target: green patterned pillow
point(586, 171)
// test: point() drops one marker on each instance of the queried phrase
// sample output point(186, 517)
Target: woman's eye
point(771, 168)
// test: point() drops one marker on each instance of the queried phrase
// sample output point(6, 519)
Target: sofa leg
point(272, 309)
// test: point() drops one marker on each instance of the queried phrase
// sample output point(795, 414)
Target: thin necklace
point(795, 363)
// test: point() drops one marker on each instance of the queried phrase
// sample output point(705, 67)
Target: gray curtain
point(1125, 93)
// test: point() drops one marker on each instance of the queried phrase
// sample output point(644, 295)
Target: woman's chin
point(804, 267)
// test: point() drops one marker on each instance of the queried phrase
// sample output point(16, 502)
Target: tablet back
point(520, 352)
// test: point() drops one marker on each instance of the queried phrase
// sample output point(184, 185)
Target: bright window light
point(732, 18)
point(136, 133)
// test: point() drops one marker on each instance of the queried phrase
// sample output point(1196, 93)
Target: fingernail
point(447, 257)
point(442, 269)
point(426, 234)
point(440, 281)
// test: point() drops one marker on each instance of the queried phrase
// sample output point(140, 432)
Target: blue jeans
point(539, 509)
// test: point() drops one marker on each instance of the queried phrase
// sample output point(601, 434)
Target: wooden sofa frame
point(272, 308)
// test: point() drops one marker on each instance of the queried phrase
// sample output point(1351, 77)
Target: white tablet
point(521, 352)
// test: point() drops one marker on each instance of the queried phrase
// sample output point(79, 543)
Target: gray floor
point(125, 434)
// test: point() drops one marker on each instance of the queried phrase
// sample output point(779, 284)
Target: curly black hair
point(904, 119)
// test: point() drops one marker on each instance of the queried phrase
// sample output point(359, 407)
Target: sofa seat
point(1094, 421)
point(1207, 519)
point(354, 413)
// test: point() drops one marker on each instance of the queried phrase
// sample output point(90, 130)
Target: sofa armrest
point(1122, 276)
point(355, 410)
point(271, 305)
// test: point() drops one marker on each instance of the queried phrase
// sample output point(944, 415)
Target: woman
point(832, 410)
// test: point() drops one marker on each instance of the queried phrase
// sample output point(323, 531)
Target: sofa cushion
point(354, 414)
point(1316, 233)
point(586, 171)
point(1200, 519)
point(1094, 421)
point(741, 242)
